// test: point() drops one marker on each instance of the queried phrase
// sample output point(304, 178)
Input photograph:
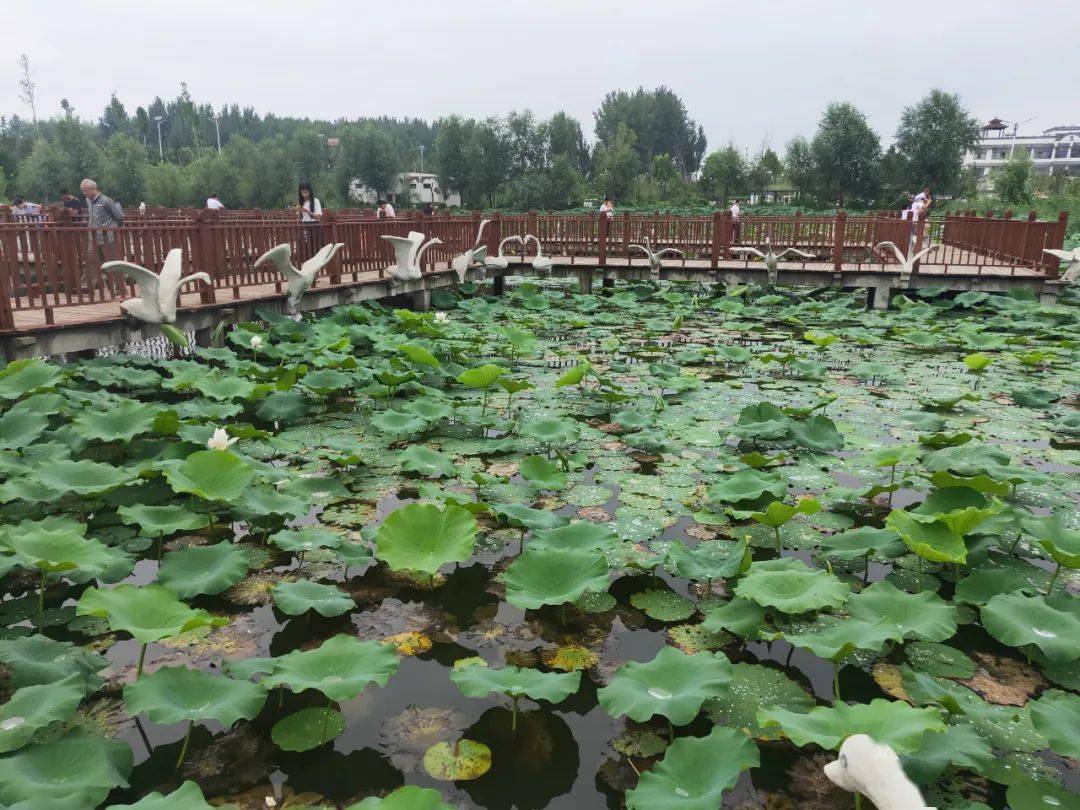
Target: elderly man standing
point(102, 212)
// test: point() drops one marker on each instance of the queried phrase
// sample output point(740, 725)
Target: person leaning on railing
point(103, 214)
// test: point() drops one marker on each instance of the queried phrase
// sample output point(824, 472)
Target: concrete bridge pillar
point(498, 284)
point(879, 297)
point(609, 281)
point(585, 281)
point(421, 300)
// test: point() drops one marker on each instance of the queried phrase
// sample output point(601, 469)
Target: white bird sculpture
point(157, 291)
point(473, 256)
point(299, 281)
point(542, 263)
point(874, 771)
point(500, 262)
point(772, 259)
point(907, 263)
point(1072, 269)
point(655, 256)
point(407, 253)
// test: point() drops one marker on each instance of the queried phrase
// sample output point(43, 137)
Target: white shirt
point(306, 211)
point(215, 203)
point(917, 207)
point(607, 209)
point(387, 211)
point(735, 210)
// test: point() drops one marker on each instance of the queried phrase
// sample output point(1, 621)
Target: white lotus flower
point(441, 317)
point(256, 342)
point(220, 440)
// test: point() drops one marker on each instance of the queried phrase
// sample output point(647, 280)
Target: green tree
point(114, 120)
point(660, 122)
point(168, 184)
point(565, 138)
point(123, 169)
point(81, 151)
point(933, 137)
point(1012, 179)
point(847, 153)
point(487, 157)
point(366, 154)
point(44, 172)
point(799, 167)
point(723, 174)
point(451, 155)
point(765, 169)
point(617, 163)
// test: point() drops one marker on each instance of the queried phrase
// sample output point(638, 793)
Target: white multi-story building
point(1056, 150)
point(413, 187)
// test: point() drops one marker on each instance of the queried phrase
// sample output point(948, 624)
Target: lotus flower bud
point(220, 440)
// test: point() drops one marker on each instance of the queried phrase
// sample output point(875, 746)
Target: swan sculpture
point(907, 263)
point(407, 253)
point(542, 263)
point(299, 281)
point(157, 291)
point(473, 256)
point(1072, 269)
point(772, 259)
point(655, 256)
point(500, 262)
point(874, 771)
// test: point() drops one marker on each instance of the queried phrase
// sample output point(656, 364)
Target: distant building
point(414, 188)
point(1056, 150)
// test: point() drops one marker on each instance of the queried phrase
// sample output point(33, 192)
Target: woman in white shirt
point(311, 214)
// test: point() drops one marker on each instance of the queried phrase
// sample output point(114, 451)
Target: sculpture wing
point(480, 232)
point(674, 251)
point(923, 252)
point(1064, 255)
point(281, 258)
point(169, 277)
point(797, 252)
point(754, 251)
point(508, 239)
point(420, 250)
point(403, 248)
point(323, 257)
point(642, 248)
point(899, 253)
point(479, 254)
point(147, 280)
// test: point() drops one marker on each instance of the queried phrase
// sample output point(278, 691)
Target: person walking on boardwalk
point(214, 203)
point(386, 210)
point(103, 214)
point(607, 208)
point(736, 223)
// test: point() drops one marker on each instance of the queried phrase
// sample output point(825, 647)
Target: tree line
point(647, 150)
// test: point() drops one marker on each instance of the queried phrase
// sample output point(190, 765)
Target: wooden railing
point(43, 264)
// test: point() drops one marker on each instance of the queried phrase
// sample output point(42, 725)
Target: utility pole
point(421, 158)
point(217, 131)
point(160, 149)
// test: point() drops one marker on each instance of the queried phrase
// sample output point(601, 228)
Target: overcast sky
point(747, 71)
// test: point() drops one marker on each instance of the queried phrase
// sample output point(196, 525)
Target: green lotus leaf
point(186, 797)
point(817, 433)
point(710, 560)
point(398, 423)
point(409, 797)
point(747, 486)
point(1031, 794)
point(633, 420)
point(788, 585)
point(32, 708)
point(1060, 542)
point(835, 642)
point(580, 535)
point(460, 761)
point(55, 545)
point(928, 536)
point(985, 583)
point(863, 541)
point(326, 381)
point(551, 432)
point(121, 421)
point(38, 660)
point(77, 770)
point(673, 684)
point(176, 694)
point(939, 660)
point(83, 477)
point(754, 687)
point(553, 576)
point(478, 680)
point(21, 377)
point(430, 410)
point(307, 729)
point(427, 462)
point(307, 539)
point(695, 772)
point(214, 475)
point(518, 514)
point(423, 537)
point(19, 429)
point(1050, 623)
point(961, 746)
point(1056, 716)
point(198, 570)
point(887, 722)
point(777, 513)
point(147, 612)
point(297, 598)
point(481, 377)
point(542, 473)
point(340, 668)
point(419, 355)
point(924, 616)
point(663, 605)
point(945, 480)
point(522, 340)
point(162, 520)
point(762, 421)
point(739, 616)
point(1035, 397)
point(573, 376)
point(978, 362)
point(283, 406)
point(216, 385)
point(970, 459)
point(258, 503)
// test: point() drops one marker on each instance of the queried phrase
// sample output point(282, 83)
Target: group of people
point(917, 206)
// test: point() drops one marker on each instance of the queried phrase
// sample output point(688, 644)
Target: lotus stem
point(513, 713)
point(836, 681)
point(142, 657)
point(866, 570)
point(280, 696)
point(1016, 543)
point(630, 762)
point(187, 742)
point(41, 601)
point(779, 545)
point(858, 801)
point(670, 730)
point(1049, 588)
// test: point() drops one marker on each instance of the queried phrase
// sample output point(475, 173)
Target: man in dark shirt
point(69, 200)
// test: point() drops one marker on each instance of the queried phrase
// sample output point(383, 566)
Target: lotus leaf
point(283, 406)
point(148, 612)
point(214, 475)
point(518, 514)
point(422, 537)
point(121, 421)
point(83, 477)
point(961, 746)
point(481, 377)
point(398, 423)
point(427, 462)
point(695, 772)
point(203, 569)
point(307, 729)
point(77, 770)
point(740, 616)
point(673, 684)
point(580, 536)
point(663, 605)
point(297, 598)
point(788, 585)
point(1060, 542)
point(306, 539)
point(864, 541)
point(479, 680)
point(887, 722)
point(542, 473)
point(1056, 715)
point(747, 487)
point(754, 687)
point(409, 797)
point(19, 429)
point(186, 797)
point(21, 377)
point(708, 561)
point(175, 694)
point(38, 660)
point(924, 616)
point(457, 762)
point(553, 576)
point(835, 642)
point(928, 536)
point(162, 520)
point(1049, 623)
point(1031, 794)
point(340, 668)
point(33, 708)
point(551, 432)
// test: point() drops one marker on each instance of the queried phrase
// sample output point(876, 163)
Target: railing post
point(329, 226)
point(717, 246)
point(8, 274)
point(1057, 242)
point(601, 238)
point(916, 246)
point(839, 229)
point(530, 224)
point(1025, 241)
point(725, 233)
point(202, 249)
point(494, 233)
point(626, 234)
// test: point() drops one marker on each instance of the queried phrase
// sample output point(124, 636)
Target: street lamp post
point(217, 131)
point(161, 151)
point(421, 158)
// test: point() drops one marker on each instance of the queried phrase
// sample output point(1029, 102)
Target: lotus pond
point(664, 547)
